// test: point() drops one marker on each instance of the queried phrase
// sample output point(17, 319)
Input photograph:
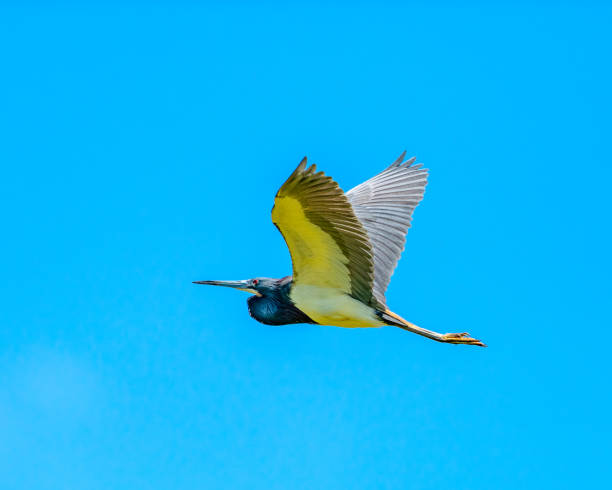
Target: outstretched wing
point(329, 246)
point(384, 205)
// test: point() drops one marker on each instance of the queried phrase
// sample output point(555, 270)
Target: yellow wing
point(329, 246)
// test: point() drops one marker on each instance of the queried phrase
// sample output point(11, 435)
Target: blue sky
point(141, 149)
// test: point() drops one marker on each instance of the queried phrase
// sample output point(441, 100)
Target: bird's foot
point(461, 338)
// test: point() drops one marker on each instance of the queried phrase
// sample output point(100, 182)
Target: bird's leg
point(448, 338)
point(391, 318)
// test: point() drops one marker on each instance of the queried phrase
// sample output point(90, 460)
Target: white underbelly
point(329, 306)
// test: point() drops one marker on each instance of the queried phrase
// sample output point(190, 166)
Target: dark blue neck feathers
point(275, 307)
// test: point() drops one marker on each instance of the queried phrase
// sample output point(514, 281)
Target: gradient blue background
point(141, 147)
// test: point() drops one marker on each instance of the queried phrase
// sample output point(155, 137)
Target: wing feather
point(329, 246)
point(384, 204)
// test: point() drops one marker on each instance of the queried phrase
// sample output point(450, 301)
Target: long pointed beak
point(240, 285)
point(227, 284)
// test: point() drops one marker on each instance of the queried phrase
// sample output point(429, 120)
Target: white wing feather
point(384, 205)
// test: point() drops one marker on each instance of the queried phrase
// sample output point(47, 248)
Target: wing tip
point(400, 162)
point(304, 169)
point(302, 164)
point(411, 164)
point(300, 169)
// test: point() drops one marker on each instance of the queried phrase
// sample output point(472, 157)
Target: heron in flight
point(344, 248)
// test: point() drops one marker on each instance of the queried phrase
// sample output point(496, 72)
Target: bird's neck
point(274, 307)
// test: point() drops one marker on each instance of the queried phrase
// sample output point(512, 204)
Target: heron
point(344, 248)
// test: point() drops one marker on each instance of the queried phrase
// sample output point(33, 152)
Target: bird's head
point(259, 285)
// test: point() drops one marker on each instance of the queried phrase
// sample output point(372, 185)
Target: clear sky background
point(141, 147)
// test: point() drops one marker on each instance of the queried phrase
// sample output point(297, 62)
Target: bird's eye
point(255, 282)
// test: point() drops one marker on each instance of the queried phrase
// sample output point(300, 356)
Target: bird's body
point(328, 306)
point(344, 248)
